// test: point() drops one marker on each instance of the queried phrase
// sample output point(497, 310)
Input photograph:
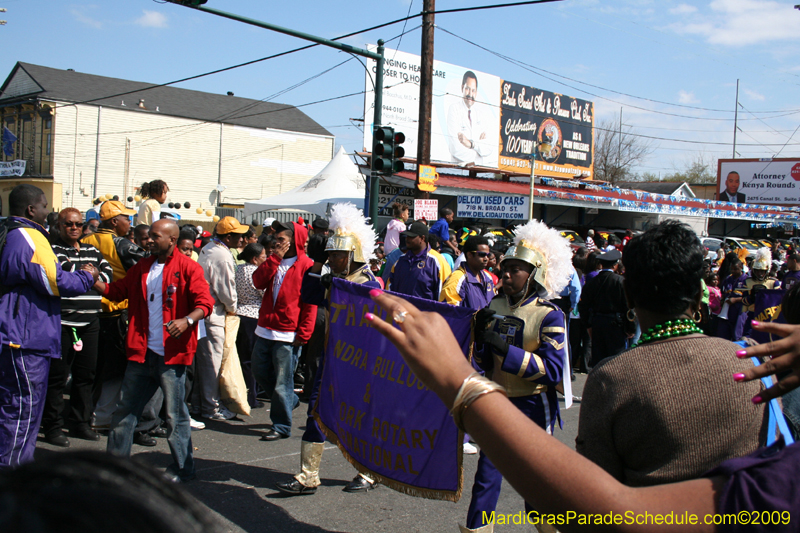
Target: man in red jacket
point(284, 322)
point(167, 294)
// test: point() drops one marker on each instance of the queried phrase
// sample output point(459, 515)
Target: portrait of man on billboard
point(731, 192)
point(468, 127)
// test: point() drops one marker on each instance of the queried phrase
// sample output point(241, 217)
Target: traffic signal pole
point(373, 184)
point(371, 196)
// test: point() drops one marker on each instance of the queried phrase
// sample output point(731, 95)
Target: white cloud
point(152, 19)
point(754, 95)
point(79, 15)
point(685, 97)
point(683, 9)
point(744, 22)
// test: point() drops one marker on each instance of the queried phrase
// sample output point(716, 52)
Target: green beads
point(670, 328)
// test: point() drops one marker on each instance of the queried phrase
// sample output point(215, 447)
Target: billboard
point(561, 127)
point(464, 123)
point(759, 181)
point(479, 119)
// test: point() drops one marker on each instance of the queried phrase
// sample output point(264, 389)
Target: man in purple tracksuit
point(31, 286)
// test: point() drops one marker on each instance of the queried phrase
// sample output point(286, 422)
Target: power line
point(539, 71)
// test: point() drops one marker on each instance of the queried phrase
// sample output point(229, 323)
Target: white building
point(84, 136)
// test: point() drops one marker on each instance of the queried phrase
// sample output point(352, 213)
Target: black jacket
point(603, 294)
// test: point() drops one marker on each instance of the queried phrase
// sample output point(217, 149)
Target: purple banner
point(767, 309)
point(384, 420)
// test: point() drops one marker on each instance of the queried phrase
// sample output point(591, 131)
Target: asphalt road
point(236, 475)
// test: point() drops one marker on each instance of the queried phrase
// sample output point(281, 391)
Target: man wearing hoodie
point(284, 322)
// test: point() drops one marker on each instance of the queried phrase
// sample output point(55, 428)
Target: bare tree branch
point(617, 152)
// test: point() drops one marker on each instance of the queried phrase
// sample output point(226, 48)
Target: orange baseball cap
point(113, 208)
point(230, 225)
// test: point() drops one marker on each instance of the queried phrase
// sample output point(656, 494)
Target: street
point(236, 475)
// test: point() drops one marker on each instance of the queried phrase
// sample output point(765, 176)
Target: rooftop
point(28, 82)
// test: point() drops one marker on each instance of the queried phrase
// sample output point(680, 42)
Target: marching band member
point(524, 347)
point(346, 255)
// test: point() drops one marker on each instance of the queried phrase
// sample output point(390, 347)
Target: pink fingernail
point(374, 293)
point(370, 317)
point(755, 323)
point(757, 400)
point(741, 353)
point(738, 377)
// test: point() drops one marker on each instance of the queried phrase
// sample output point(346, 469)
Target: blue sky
point(670, 65)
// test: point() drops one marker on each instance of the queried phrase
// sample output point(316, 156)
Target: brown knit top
point(669, 411)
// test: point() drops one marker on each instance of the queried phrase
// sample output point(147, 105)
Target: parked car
point(712, 244)
point(737, 243)
point(502, 237)
point(575, 240)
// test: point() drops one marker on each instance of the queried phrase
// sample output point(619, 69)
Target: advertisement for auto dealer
point(478, 119)
point(759, 181)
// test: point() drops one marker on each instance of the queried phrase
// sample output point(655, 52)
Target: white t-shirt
point(155, 335)
point(271, 334)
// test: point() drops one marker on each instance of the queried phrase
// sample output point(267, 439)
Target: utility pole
point(425, 92)
point(735, 119)
point(619, 146)
point(533, 179)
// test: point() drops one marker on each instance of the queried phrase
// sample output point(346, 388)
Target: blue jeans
point(140, 382)
point(273, 364)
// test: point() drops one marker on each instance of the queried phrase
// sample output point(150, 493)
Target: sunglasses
point(482, 254)
point(72, 224)
point(170, 291)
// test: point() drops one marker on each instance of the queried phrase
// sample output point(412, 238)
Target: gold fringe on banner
point(411, 490)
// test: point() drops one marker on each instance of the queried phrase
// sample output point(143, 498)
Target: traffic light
point(398, 152)
point(386, 150)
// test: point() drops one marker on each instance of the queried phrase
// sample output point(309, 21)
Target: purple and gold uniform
point(30, 333)
point(462, 288)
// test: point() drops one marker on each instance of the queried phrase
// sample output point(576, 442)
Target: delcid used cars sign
point(495, 206)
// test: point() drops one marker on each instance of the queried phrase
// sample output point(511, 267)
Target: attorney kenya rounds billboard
point(759, 181)
point(479, 119)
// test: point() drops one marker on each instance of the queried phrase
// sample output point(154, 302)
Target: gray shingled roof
point(658, 187)
point(70, 86)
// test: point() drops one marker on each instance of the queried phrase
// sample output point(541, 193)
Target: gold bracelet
point(473, 387)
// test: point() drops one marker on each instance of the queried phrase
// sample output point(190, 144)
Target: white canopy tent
point(339, 181)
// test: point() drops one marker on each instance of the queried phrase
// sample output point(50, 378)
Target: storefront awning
point(582, 194)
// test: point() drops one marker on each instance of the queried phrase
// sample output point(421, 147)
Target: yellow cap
point(230, 225)
point(113, 208)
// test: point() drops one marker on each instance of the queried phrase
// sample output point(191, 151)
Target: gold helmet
point(547, 251)
point(351, 233)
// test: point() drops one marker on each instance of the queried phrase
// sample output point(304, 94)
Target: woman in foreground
point(572, 490)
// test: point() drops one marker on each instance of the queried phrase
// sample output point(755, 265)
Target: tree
point(617, 151)
point(701, 169)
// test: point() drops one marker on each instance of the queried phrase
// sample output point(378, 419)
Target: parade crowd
point(129, 314)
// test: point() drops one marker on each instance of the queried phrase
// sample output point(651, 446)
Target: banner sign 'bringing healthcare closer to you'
point(478, 119)
point(386, 422)
point(759, 181)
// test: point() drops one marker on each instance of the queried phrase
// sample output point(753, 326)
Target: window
point(47, 146)
point(48, 123)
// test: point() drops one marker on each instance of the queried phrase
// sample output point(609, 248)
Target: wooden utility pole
point(425, 92)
